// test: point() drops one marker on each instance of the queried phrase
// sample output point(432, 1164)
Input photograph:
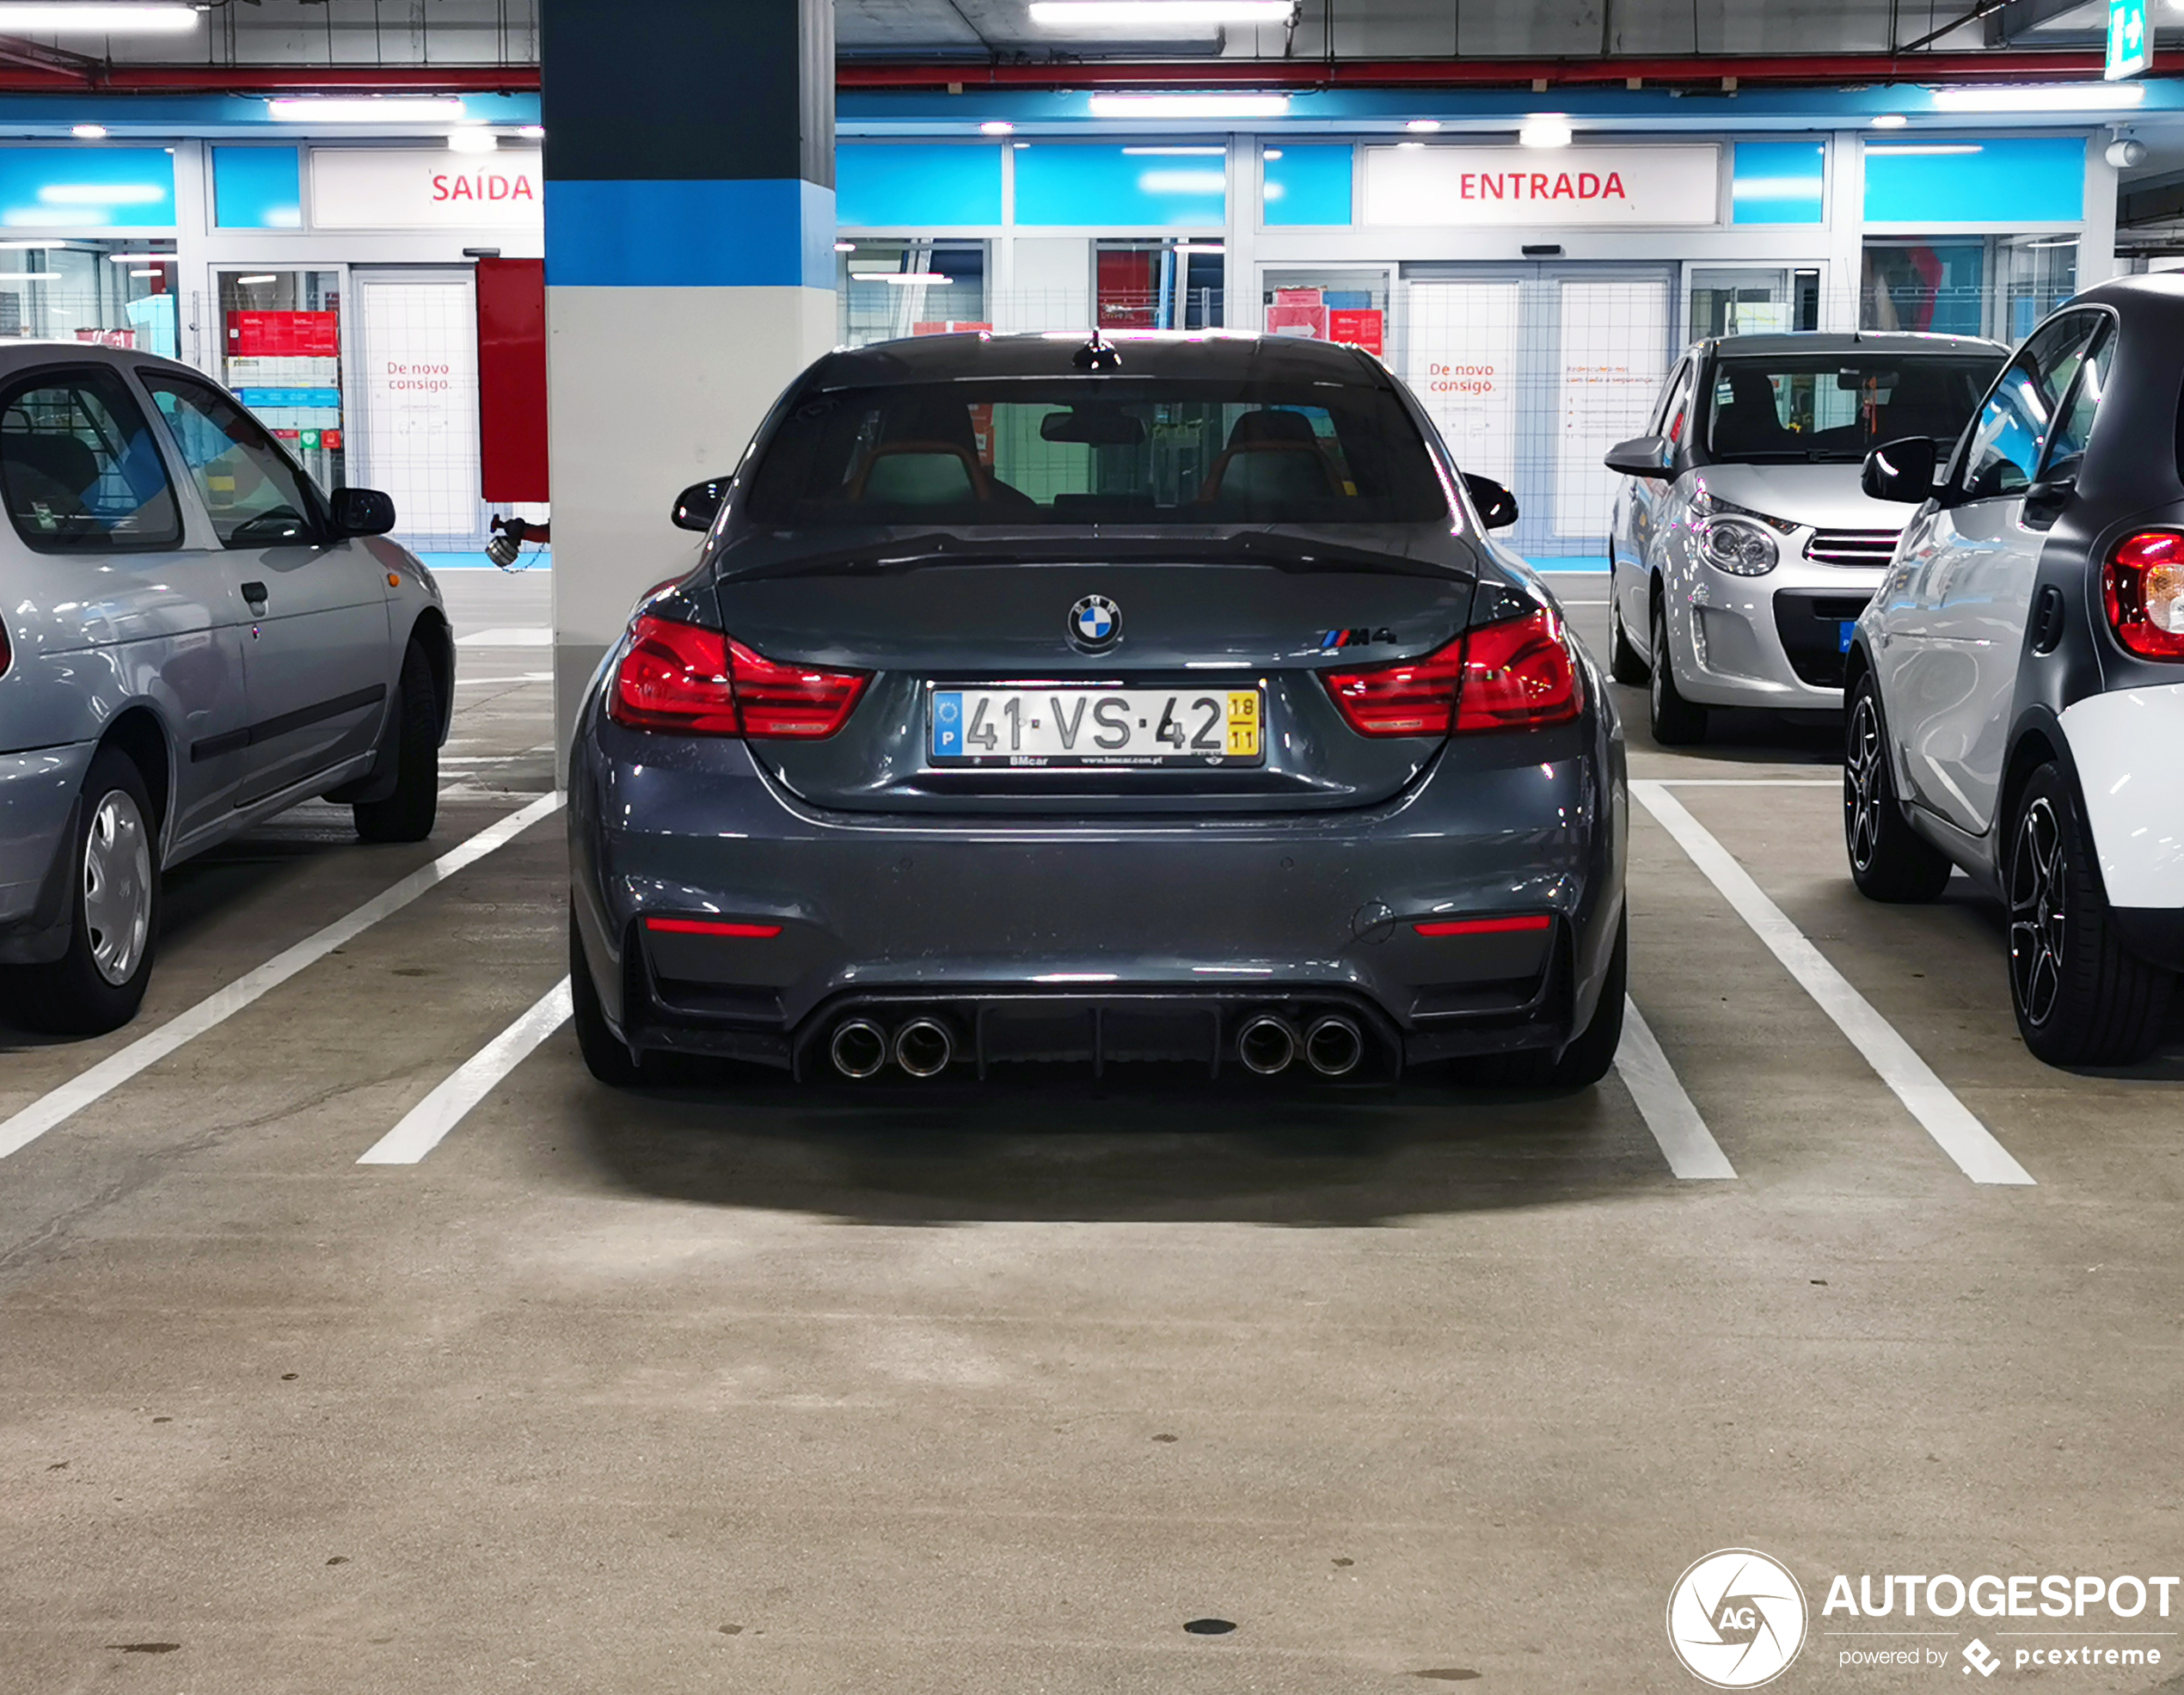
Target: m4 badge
point(1332, 639)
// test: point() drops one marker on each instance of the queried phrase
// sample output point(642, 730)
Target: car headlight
point(1737, 545)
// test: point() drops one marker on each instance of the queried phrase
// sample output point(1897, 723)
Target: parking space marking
point(426, 1124)
point(1931, 1102)
point(513, 635)
point(117, 1068)
point(1685, 1142)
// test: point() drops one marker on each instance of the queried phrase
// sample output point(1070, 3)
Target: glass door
point(280, 351)
point(1751, 300)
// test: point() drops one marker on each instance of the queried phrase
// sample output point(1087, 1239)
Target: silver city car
point(192, 638)
point(1743, 548)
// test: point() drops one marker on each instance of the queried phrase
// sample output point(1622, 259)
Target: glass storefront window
point(895, 286)
point(1327, 305)
point(2038, 274)
point(1747, 300)
point(1933, 286)
point(281, 353)
point(1159, 285)
point(120, 294)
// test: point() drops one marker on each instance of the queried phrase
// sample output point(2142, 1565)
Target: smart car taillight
point(678, 678)
point(1512, 675)
point(2142, 588)
point(7, 653)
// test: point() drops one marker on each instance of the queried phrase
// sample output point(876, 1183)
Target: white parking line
point(513, 635)
point(1745, 781)
point(520, 677)
point(1945, 1119)
point(1684, 1140)
point(117, 1068)
point(425, 1124)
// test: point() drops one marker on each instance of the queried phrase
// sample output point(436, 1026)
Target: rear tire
point(1623, 663)
point(1675, 721)
point(407, 813)
point(606, 1056)
point(2082, 999)
point(114, 911)
point(1889, 860)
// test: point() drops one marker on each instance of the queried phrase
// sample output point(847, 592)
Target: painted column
point(690, 273)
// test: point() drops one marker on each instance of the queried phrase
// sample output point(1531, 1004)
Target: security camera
point(2126, 152)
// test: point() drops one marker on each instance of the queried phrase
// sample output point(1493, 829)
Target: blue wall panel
point(2019, 180)
point(915, 186)
point(1070, 183)
point(1778, 182)
point(67, 187)
point(257, 188)
point(1308, 185)
point(731, 233)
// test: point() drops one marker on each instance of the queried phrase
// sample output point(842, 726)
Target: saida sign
point(2131, 43)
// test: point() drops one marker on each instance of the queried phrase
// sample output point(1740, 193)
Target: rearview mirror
point(697, 506)
point(1497, 506)
point(1902, 470)
point(1093, 427)
point(1641, 456)
point(363, 512)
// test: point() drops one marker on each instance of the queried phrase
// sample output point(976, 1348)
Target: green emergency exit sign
point(2131, 43)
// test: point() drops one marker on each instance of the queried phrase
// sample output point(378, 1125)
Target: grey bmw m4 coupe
point(1155, 698)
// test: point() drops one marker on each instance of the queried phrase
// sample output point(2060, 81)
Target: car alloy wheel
point(1864, 783)
point(2039, 871)
point(117, 887)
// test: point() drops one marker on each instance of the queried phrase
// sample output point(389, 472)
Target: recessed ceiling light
point(1113, 13)
point(1423, 126)
point(1189, 105)
point(1544, 129)
point(997, 126)
point(474, 141)
point(2056, 97)
point(1410, 147)
point(845, 246)
point(1890, 120)
point(88, 132)
point(531, 132)
point(98, 20)
point(366, 109)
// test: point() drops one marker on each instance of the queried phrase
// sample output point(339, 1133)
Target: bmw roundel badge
point(1095, 622)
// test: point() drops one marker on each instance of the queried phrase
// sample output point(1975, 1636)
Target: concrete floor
point(929, 1390)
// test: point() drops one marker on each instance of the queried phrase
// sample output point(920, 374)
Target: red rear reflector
point(1482, 926)
point(2143, 589)
point(699, 682)
point(759, 932)
point(1513, 675)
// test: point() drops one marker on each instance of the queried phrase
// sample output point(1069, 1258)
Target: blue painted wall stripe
point(1307, 184)
point(721, 233)
point(257, 188)
point(1778, 182)
point(916, 186)
point(2009, 181)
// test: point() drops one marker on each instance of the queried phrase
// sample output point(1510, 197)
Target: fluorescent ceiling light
point(1544, 129)
point(907, 279)
point(1410, 147)
point(366, 109)
point(1274, 153)
point(1200, 247)
point(146, 273)
point(845, 246)
point(269, 277)
point(1125, 14)
point(2056, 97)
point(473, 141)
point(1890, 120)
point(88, 132)
point(997, 126)
point(141, 258)
point(531, 132)
point(101, 195)
point(1189, 105)
point(8, 277)
point(1423, 126)
point(1177, 153)
point(97, 20)
point(1932, 150)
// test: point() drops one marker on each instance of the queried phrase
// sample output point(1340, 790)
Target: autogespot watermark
point(1737, 1618)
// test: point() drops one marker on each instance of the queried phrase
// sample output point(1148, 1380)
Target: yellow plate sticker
point(1243, 723)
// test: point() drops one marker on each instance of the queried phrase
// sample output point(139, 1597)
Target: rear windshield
point(1098, 450)
point(1837, 406)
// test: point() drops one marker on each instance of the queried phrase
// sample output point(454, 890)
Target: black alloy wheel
point(1889, 860)
point(1674, 720)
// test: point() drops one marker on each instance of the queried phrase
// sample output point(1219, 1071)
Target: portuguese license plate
point(1039, 728)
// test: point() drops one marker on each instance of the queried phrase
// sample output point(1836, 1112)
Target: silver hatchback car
point(1744, 549)
point(192, 638)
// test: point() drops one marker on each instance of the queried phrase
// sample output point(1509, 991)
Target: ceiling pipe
point(257, 79)
point(1691, 71)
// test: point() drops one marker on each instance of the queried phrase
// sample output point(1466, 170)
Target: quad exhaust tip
point(1334, 1046)
point(924, 1047)
point(859, 1048)
point(1267, 1044)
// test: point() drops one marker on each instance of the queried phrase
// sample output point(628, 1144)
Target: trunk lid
point(1186, 627)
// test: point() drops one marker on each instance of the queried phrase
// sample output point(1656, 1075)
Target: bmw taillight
point(1517, 674)
point(2142, 588)
point(678, 678)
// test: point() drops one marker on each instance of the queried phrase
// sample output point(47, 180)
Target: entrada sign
point(1458, 185)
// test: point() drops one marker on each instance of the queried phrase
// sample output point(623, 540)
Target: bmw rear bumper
point(1088, 934)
